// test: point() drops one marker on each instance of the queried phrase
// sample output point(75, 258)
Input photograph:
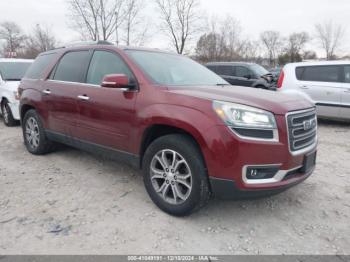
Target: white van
point(11, 73)
point(327, 84)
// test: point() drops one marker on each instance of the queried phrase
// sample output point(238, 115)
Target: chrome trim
point(307, 149)
point(73, 83)
point(275, 138)
point(84, 98)
point(281, 174)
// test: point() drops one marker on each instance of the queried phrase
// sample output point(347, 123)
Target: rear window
point(13, 71)
point(319, 73)
point(37, 69)
point(73, 67)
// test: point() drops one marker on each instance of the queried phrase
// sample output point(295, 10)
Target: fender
point(33, 98)
point(192, 121)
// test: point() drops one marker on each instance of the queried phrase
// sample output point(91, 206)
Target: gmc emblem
point(309, 124)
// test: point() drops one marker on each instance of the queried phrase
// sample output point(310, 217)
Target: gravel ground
point(70, 202)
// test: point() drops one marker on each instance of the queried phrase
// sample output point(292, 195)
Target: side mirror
point(115, 81)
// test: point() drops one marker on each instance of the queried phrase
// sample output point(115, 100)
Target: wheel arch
point(155, 131)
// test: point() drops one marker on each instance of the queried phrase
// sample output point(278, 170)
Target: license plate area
point(309, 162)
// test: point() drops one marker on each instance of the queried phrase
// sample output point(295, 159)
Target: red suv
point(191, 133)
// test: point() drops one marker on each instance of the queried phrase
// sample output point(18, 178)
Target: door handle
point(84, 98)
point(304, 87)
point(47, 92)
point(347, 91)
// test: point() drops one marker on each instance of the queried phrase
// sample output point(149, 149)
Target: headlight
point(248, 122)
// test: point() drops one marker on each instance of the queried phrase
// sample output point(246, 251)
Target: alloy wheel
point(171, 176)
point(32, 132)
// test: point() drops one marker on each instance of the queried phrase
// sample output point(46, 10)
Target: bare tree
point(96, 19)
point(12, 34)
point(295, 44)
point(272, 41)
point(136, 27)
point(40, 40)
point(180, 20)
point(329, 36)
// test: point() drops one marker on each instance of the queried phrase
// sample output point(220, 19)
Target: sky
point(255, 16)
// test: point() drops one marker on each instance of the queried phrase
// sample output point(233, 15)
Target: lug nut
point(175, 177)
point(167, 170)
point(164, 175)
point(167, 182)
point(173, 183)
point(172, 171)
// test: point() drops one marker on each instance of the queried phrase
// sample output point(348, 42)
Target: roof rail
point(85, 43)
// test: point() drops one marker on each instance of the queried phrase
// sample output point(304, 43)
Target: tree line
point(183, 23)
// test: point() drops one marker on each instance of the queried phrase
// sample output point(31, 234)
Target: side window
point(347, 74)
point(321, 74)
point(225, 70)
point(242, 71)
point(299, 72)
point(72, 67)
point(212, 68)
point(37, 69)
point(105, 63)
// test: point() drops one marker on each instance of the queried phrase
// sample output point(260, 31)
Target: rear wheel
point(34, 135)
point(175, 175)
point(7, 114)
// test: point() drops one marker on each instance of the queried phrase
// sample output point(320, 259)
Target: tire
point(34, 135)
point(7, 114)
point(189, 180)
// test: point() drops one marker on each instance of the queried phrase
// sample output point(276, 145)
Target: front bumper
point(15, 110)
point(229, 156)
point(227, 189)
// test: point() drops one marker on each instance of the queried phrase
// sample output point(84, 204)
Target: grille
point(302, 129)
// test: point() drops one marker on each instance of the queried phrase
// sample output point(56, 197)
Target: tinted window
point(320, 74)
point(37, 69)
point(13, 70)
point(72, 67)
point(259, 70)
point(347, 74)
point(212, 68)
point(170, 69)
point(299, 72)
point(225, 70)
point(106, 63)
point(242, 71)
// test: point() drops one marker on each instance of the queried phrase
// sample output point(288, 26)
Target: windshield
point(13, 71)
point(259, 70)
point(174, 70)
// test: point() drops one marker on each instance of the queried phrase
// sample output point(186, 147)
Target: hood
point(274, 102)
point(11, 85)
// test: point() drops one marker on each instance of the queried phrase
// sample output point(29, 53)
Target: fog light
point(261, 172)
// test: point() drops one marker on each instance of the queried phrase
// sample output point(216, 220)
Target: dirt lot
point(70, 202)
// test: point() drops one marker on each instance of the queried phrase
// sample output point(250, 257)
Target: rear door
point(106, 114)
point(345, 100)
point(323, 85)
point(61, 90)
point(227, 73)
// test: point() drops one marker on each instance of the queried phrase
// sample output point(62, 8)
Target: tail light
point(280, 80)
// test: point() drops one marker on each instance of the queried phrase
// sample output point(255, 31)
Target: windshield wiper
point(223, 84)
point(12, 79)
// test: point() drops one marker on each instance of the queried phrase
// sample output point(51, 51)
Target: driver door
point(106, 115)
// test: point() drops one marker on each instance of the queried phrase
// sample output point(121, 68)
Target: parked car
point(243, 74)
point(275, 72)
point(327, 84)
point(11, 73)
point(190, 132)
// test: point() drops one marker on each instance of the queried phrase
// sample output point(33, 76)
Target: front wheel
point(175, 176)
point(7, 114)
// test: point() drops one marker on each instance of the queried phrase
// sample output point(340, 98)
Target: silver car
point(327, 84)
